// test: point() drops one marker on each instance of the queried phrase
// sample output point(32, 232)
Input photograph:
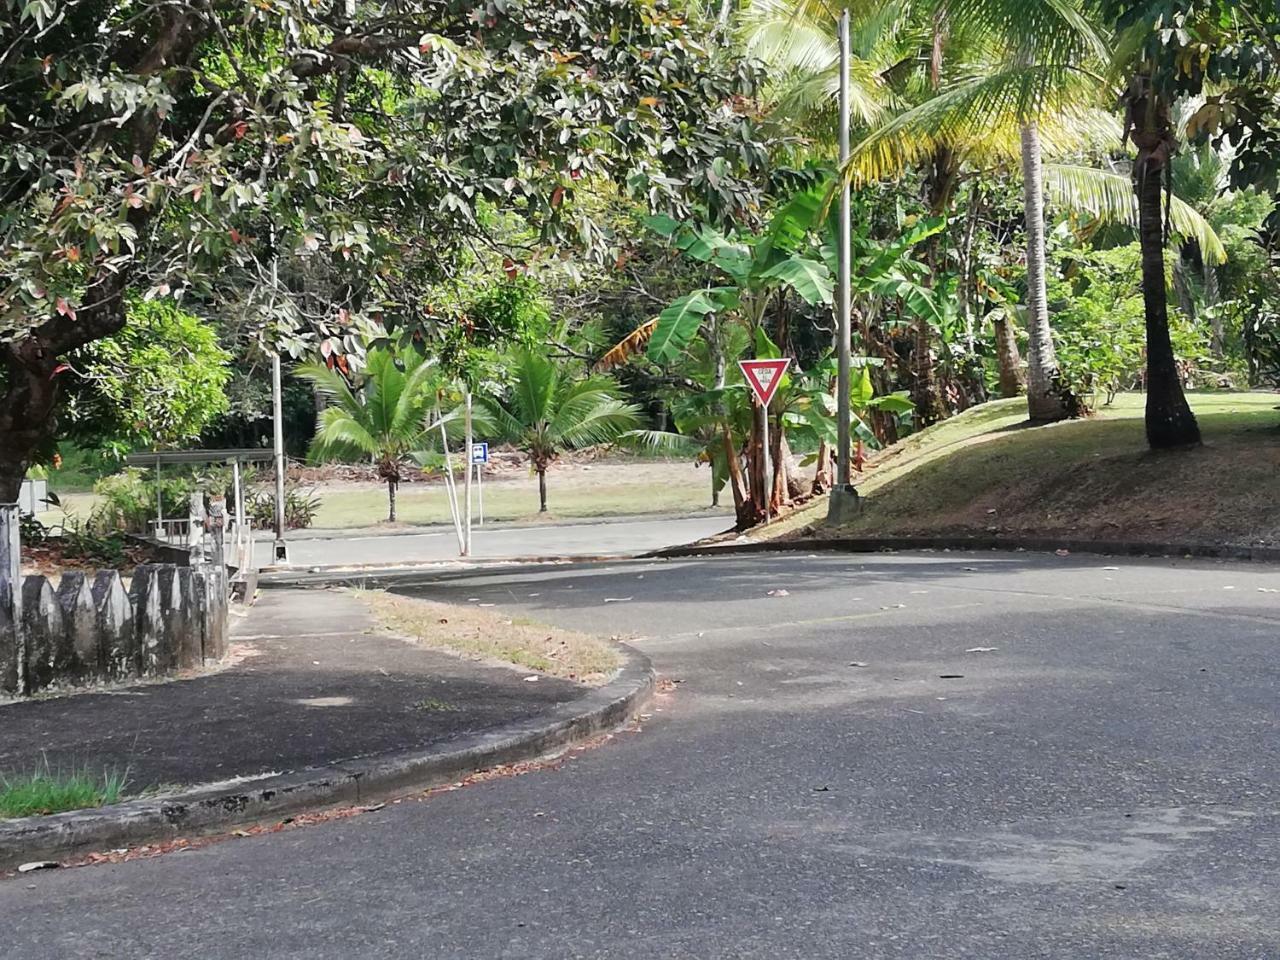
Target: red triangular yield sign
point(764, 376)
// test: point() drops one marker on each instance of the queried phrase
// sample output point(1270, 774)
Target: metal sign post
point(466, 480)
point(479, 457)
point(764, 377)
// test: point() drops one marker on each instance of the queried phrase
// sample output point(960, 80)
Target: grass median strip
point(488, 635)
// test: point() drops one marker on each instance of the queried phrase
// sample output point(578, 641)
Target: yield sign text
point(764, 376)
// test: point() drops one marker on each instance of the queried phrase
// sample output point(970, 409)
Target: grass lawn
point(986, 472)
point(608, 488)
point(573, 491)
point(481, 634)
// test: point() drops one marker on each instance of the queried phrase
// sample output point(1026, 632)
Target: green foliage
point(300, 508)
point(510, 312)
point(129, 499)
point(1099, 323)
point(783, 257)
point(384, 419)
point(45, 791)
point(549, 410)
point(158, 382)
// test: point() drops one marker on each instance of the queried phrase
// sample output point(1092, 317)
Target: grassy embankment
point(986, 472)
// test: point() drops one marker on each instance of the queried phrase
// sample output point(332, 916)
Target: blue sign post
point(479, 457)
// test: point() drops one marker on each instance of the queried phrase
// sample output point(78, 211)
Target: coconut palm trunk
point(391, 501)
point(1169, 420)
point(1008, 360)
point(542, 489)
point(1048, 398)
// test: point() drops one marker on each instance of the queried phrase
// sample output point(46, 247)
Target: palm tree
point(383, 420)
point(549, 413)
point(1169, 420)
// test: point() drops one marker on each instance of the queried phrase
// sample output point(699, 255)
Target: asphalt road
point(498, 541)
point(904, 756)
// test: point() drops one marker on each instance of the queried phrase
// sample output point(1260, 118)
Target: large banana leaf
point(809, 278)
point(679, 323)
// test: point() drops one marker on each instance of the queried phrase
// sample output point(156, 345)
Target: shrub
point(300, 507)
point(129, 500)
point(1099, 323)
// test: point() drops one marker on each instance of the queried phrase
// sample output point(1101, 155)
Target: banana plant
point(754, 268)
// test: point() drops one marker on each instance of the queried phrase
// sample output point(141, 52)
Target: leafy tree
point(550, 411)
point(1172, 49)
point(158, 382)
point(313, 168)
point(384, 420)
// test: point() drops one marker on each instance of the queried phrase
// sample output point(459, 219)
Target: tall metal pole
point(466, 399)
point(843, 335)
point(768, 472)
point(280, 551)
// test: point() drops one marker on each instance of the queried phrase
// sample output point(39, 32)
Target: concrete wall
point(91, 628)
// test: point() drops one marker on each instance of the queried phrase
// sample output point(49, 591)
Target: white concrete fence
point(90, 628)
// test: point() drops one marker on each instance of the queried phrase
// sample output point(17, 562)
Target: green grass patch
point(612, 490)
point(45, 791)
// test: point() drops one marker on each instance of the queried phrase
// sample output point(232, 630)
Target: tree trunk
point(822, 471)
point(542, 489)
point(717, 359)
point(1169, 420)
point(391, 501)
point(1012, 379)
point(941, 183)
point(1048, 398)
point(31, 380)
point(735, 470)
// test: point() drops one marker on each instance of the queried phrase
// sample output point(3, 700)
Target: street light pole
point(843, 477)
point(843, 504)
point(279, 551)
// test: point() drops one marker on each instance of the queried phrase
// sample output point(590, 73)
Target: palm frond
point(662, 441)
point(979, 116)
point(535, 386)
point(578, 402)
point(416, 394)
point(1039, 30)
point(1108, 195)
point(330, 384)
point(629, 346)
point(339, 436)
point(494, 420)
point(604, 423)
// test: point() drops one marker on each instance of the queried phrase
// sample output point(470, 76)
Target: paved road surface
point(495, 542)
point(841, 773)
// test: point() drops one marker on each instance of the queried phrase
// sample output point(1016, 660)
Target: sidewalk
point(313, 689)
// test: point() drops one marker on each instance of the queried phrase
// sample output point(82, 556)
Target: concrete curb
point(1029, 544)
point(214, 808)
point(427, 529)
point(375, 574)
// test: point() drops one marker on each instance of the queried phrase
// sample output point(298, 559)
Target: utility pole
point(844, 498)
point(466, 399)
point(279, 551)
